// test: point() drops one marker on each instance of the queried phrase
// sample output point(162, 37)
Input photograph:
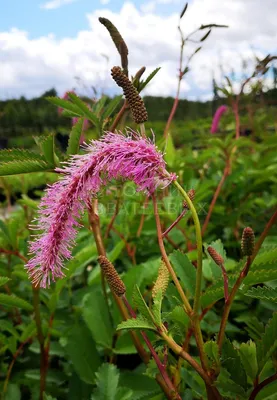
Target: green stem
point(197, 295)
point(199, 247)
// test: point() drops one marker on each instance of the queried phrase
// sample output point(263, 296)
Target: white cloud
point(31, 66)
point(104, 2)
point(53, 4)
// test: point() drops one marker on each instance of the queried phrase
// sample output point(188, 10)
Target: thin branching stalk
point(241, 277)
point(155, 356)
point(185, 301)
point(261, 385)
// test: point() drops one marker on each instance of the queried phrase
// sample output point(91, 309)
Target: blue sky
point(66, 20)
point(43, 47)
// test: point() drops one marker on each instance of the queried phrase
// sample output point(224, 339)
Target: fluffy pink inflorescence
point(113, 156)
point(218, 114)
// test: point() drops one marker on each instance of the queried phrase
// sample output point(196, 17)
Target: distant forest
point(23, 116)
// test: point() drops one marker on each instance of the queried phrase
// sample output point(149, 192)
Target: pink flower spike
point(114, 156)
point(217, 116)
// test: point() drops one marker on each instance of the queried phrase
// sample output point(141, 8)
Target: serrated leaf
point(157, 308)
point(96, 317)
point(28, 331)
point(184, 270)
point(230, 360)
point(66, 105)
point(74, 137)
point(248, 356)
point(23, 167)
point(4, 280)
point(142, 386)
point(111, 107)
point(18, 154)
point(107, 378)
point(263, 293)
point(228, 387)
point(82, 353)
point(137, 323)
point(212, 352)
point(140, 304)
point(6, 326)
point(148, 79)
point(14, 301)
point(82, 106)
point(47, 147)
point(6, 233)
point(268, 344)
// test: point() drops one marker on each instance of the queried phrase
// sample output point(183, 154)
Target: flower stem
point(197, 295)
point(187, 305)
point(261, 385)
point(199, 247)
point(182, 353)
point(160, 366)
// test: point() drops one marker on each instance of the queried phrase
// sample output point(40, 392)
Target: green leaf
point(170, 152)
point(142, 386)
point(82, 353)
point(140, 304)
point(107, 378)
point(47, 147)
point(137, 323)
point(248, 356)
point(148, 79)
point(66, 105)
point(13, 392)
point(231, 362)
point(268, 392)
point(14, 301)
point(228, 387)
point(48, 397)
point(23, 167)
point(268, 344)
point(184, 270)
point(18, 155)
point(4, 280)
point(124, 344)
point(212, 352)
point(7, 326)
point(97, 319)
point(83, 108)
point(111, 107)
point(263, 293)
point(157, 308)
point(28, 331)
point(5, 231)
point(74, 138)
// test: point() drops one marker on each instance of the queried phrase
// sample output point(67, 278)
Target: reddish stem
point(153, 352)
point(261, 385)
point(216, 194)
point(175, 222)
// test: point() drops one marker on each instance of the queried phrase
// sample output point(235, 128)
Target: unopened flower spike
point(191, 195)
point(218, 259)
point(114, 156)
point(248, 241)
point(162, 280)
point(131, 94)
point(115, 282)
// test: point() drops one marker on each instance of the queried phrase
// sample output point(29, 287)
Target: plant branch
point(187, 305)
point(241, 277)
point(155, 356)
point(216, 194)
point(182, 353)
point(261, 385)
point(119, 116)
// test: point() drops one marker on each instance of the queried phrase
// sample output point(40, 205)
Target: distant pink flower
point(218, 114)
point(112, 157)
